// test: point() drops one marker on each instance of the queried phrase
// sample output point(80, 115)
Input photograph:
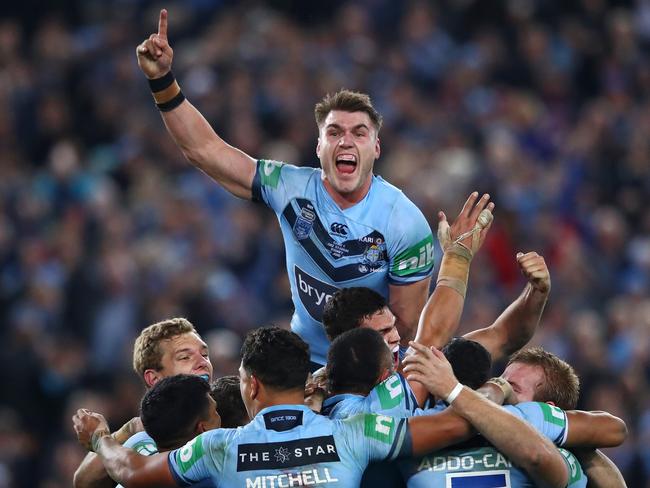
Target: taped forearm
point(454, 269)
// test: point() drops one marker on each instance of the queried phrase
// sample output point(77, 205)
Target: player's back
point(289, 445)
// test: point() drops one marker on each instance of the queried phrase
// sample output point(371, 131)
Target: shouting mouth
point(346, 163)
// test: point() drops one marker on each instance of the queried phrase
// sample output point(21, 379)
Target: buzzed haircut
point(231, 408)
point(348, 307)
point(355, 361)
point(278, 357)
point(147, 353)
point(172, 408)
point(471, 362)
point(347, 101)
point(561, 384)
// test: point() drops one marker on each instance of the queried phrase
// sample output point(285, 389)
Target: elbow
point(619, 432)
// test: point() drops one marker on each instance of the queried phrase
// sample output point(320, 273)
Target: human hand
point(89, 426)
point(430, 367)
point(155, 54)
point(316, 389)
point(130, 428)
point(534, 268)
point(470, 227)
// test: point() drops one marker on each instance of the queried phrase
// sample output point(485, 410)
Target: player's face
point(185, 354)
point(384, 323)
point(525, 380)
point(347, 148)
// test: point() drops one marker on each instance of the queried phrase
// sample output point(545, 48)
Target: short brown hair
point(561, 384)
point(146, 350)
point(347, 101)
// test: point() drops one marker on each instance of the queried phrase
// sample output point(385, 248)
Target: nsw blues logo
point(304, 223)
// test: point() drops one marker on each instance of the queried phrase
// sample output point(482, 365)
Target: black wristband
point(172, 104)
point(159, 84)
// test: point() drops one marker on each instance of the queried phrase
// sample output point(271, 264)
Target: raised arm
point(441, 314)
point(594, 429)
point(227, 165)
point(513, 437)
point(91, 472)
point(122, 464)
point(517, 324)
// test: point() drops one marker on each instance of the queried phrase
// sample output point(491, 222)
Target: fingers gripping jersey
point(392, 397)
point(478, 464)
point(383, 239)
point(289, 445)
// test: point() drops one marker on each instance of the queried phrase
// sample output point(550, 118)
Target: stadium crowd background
point(104, 228)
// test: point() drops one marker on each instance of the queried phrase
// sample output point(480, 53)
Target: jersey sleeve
point(199, 459)
point(271, 183)
point(374, 437)
point(142, 443)
point(549, 420)
point(393, 396)
point(410, 245)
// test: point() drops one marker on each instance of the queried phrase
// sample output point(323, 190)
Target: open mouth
point(395, 352)
point(346, 163)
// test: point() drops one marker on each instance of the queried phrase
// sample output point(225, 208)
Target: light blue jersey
point(142, 443)
point(477, 464)
point(392, 397)
point(289, 445)
point(382, 239)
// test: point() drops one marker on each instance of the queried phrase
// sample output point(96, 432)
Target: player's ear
point(255, 387)
point(318, 147)
point(377, 148)
point(551, 403)
point(151, 377)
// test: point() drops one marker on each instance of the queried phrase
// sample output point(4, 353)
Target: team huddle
point(370, 387)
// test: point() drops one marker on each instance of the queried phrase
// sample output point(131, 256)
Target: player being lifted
point(342, 225)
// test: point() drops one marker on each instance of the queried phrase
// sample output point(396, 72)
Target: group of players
point(420, 412)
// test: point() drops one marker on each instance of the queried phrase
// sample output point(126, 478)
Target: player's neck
point(347, 200)
point(289, 397)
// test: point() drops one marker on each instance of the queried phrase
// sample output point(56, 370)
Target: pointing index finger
point(162, 24)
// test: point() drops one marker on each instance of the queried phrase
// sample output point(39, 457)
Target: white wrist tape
point(454, 393)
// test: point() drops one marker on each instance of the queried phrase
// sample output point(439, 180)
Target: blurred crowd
point(104, 228)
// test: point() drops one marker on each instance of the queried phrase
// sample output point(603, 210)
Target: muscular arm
point(228, 166)
point(594, 429)
point(517, 324)
point(406, 302)
point(515, 438)
point(600, 470)
point(512, 436)
point(132, 469)
point(91, 472)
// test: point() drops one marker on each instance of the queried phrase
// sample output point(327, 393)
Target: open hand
point(430, 367)
point(470, 227)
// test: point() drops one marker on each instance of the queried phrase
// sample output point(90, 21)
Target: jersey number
point(485, 479)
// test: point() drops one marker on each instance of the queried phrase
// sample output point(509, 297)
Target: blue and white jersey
point(142, 443)
point(382, 239)
point(289, 445)
point(476, 463)
point(392, 397)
